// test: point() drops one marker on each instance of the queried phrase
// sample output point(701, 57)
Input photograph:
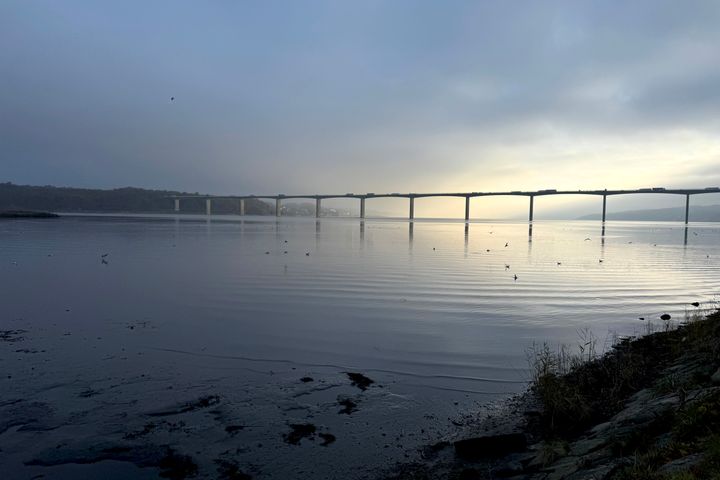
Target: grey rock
point(587, 445)
point(715, 377)
point(563, 468)
point(508, 469)
point(599, 472)
point(681, 464)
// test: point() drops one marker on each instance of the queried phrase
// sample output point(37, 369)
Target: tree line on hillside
point(119, 200)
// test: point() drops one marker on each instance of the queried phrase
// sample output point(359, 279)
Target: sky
point(310, 97)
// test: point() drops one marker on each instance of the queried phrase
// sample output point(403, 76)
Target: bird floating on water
point(695, 304)
point(514, 277)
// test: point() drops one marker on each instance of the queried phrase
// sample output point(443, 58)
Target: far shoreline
point(9, 214)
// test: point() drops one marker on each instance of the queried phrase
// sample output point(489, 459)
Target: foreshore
point(647, 409)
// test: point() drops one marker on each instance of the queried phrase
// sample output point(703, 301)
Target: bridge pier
point(242, 207)
point(362, 207)
point(317, 208)
point(687, 207)
point(604, 208)
point(412, 208)
point(467, 208)
point(530, 215)
point(208, 206)
point(277, 207)
point(177, 204)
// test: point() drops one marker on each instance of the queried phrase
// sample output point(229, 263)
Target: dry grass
point(580, 387)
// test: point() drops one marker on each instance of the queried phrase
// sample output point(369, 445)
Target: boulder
point(715, 377)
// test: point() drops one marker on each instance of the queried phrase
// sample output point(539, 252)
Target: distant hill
point(698, 213)
point(136, 200)
point(119, 200)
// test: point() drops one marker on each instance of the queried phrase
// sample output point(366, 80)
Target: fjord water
point(240, 309)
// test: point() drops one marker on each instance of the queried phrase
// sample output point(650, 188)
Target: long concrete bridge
point(467, 196)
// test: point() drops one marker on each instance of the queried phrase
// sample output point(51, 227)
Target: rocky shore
point(647, 409)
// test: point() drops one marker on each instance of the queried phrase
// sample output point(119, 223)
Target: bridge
point(466, 195)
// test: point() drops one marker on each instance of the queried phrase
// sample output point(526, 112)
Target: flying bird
point(172, 99)
point(506, 244)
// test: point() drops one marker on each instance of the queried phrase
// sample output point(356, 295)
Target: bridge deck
point(538, 193)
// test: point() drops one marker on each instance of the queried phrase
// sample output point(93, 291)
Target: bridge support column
point(362, 207)
point(687, 207)
point(208, 206)
point(530, 215)
point(242, 206)
point(317, 208)
point(412, 208)
point(467, 208)
point(604, 207)
point(277, 207)
point(177, 204)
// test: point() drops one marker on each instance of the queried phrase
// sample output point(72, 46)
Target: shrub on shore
point(583, 389)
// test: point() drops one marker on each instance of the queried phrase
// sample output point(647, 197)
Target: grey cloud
point(282, 97)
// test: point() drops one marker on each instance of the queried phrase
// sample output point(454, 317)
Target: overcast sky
point(306, 97)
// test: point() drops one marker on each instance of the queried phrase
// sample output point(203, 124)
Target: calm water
point(186, 308)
